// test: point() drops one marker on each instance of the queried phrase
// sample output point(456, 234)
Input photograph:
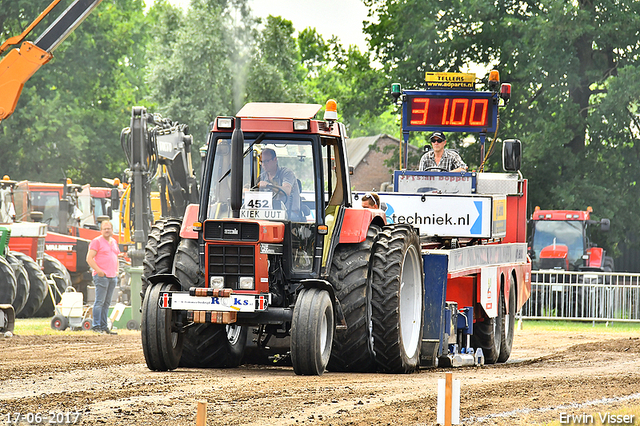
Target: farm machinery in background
point(565, 263)
point(294, 271)
point(158, 153)
point(560, 240)
point(23, 248)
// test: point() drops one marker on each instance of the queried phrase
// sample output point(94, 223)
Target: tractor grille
point(231, 231)
point(553, 263)
point(231, 262)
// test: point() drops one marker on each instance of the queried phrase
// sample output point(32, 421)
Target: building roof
point(358, 148)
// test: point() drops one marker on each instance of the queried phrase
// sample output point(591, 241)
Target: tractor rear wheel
point(22, 283)
point(487, 334)
point(206, 345)
point(38, 286)
point(312, 329)
point(54, 270)
point(7, 282)
point(350, 269)
point(161, 341)
point(398, 293)
point(508, 323)
point(160, 249)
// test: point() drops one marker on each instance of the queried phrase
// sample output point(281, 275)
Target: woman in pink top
point(103, 259)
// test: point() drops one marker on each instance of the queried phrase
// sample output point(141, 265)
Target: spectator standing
point(103, 259)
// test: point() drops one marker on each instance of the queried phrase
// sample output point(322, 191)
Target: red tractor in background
point(560, 240)
point(66, 241)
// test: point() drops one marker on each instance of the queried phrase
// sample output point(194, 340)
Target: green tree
point(573, 104)
point(276, 73)
point(196, 62)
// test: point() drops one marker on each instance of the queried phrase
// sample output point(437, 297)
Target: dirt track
point(106, 380)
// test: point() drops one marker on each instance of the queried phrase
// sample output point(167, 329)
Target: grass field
point(42, 327)
point(582, 326)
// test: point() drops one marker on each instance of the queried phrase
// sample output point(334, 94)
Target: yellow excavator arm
point(17, 67)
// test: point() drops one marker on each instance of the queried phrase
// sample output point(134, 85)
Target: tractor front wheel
point(312, 330)
point(161, 341)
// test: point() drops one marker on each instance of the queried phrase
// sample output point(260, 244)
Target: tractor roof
point(278, 110)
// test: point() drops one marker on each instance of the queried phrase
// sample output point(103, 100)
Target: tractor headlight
point(246, 283)
point(216, 282)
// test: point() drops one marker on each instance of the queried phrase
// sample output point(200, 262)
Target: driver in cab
point(440, 158)
point(281, 181)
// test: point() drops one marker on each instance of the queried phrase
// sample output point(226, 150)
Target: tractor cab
point(293, 181)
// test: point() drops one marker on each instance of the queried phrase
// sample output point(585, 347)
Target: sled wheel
point(508, 323)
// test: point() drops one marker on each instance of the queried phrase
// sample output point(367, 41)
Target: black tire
point(133, 325)
point(38, 286)
point(87, 324)
point(161, 249)
point(398, 293)
point(7, 282)
point(353, 348)
point(54, 270)
point(608, 265)
point(487, 334)
point(206, 345)
point(59, 322)
point(150, 254)
point(22, 283)
point(161, 342)
point(214, 346)
point(508, 323)
point(312, 330)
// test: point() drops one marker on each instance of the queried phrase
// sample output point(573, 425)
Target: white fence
point(584, 296)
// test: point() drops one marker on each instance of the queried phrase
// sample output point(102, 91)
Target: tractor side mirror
point(605, 224)
point(511, 155)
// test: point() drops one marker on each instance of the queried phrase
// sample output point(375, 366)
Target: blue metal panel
point(435, 290)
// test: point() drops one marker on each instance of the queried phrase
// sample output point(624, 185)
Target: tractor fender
point(190, 216)
point(596, 257)
point(356, 222)
point(340, 322)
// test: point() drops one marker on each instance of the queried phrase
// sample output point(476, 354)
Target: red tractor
point(66, 244)
point(560, 240)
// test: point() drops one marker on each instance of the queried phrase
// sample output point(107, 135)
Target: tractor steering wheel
point(278, 190)
point(440, 169)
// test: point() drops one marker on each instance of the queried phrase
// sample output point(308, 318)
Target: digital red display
point(450, 111)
